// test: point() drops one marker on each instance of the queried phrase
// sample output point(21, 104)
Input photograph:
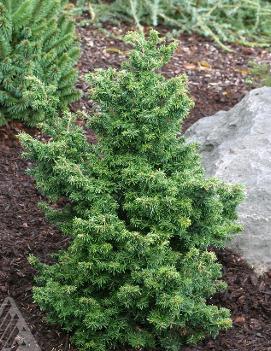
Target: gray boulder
point(236, 147)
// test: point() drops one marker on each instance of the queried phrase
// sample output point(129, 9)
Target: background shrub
point(240, 21)
point(140, 213)
point(37, 58)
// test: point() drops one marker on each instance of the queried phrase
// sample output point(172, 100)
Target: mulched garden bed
point(216, 81)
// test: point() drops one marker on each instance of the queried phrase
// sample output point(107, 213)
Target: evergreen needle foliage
point(139, 211)
point(37, 58)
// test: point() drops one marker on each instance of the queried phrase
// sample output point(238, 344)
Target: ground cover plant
point(224, 21)
point(140, 213)
point(37, 57)
point(260, 74)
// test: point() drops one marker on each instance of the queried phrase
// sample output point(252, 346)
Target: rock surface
point(236, 147)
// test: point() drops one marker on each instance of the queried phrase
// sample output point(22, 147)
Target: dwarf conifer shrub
point(37, 58)
point(139, 212)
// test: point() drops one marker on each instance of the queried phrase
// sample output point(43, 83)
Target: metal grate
point(14, 332)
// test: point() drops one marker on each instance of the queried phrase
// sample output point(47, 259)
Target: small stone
point(240, 320)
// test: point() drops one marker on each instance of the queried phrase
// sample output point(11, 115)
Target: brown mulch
point(216, 81)
point(216, 78)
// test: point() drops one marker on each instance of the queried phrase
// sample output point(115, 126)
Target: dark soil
point(216, 82)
